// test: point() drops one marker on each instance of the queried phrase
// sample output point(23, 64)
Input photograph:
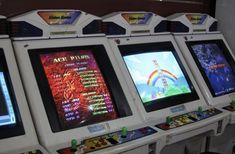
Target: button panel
point(188, 118)
point(109, 140)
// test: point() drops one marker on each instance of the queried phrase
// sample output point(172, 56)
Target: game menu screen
point(74, 86)
point(216, 65)
point(157, 74)
point(78, 87)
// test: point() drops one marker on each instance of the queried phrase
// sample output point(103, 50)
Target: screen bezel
point(16, 129)
point(220, 43)
point(103, 62)
point(167, 101)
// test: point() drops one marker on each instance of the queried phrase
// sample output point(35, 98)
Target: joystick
point(74, 145)
point(168, 120)
point(199, 111)
point(124, 132)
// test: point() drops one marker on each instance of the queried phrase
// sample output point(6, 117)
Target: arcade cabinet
point(17, 133)
point(79, 102)
point(161, 83)
point(210, 59)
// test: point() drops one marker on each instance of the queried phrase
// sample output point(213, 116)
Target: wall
point(101, 7)
point(225, 11)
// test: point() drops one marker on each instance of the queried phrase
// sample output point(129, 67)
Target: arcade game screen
point(7, 115)
point(216, 65)
point(158, 75)
point(10, 124)
point(78, 85)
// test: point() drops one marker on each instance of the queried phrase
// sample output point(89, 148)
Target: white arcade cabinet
point(210, 59)
point(79, 100)
point(17, 133)
point(159, 79)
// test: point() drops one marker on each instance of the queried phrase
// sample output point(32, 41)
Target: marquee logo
point(59, 17)
point(137, 18)
point(196, 19)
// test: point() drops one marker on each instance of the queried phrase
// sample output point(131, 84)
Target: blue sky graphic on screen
point(216, 67)
point(156, 75)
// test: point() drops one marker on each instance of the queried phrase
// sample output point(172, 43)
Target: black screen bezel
point(220, 43)
point(16, 129)
point(158, 104)
point(103, 61)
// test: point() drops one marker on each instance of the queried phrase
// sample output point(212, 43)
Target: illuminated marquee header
point(48, 24)
point(192, 23)
point(137, 18)
point(196, 19)
point(134, 24)
point(59, 17)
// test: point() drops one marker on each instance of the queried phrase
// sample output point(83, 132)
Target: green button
point(233, 103)
point(199, 109)
point(124, 132)
point(168, 120)
point(74, 144)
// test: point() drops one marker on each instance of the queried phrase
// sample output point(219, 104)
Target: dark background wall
point(101, 7)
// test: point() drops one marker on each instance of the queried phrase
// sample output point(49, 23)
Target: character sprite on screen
point(160, 77)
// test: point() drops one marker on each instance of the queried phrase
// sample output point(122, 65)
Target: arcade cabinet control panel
point(107, 140)
point(188, 118)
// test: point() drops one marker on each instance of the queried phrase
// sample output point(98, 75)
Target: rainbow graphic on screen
point(156, 75)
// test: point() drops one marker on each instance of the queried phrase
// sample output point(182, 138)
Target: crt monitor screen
point(158, 75)
point(78, 86)
point(10, 121)
point(215, 64)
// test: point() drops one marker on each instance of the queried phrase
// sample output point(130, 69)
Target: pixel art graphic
point(156, 75)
